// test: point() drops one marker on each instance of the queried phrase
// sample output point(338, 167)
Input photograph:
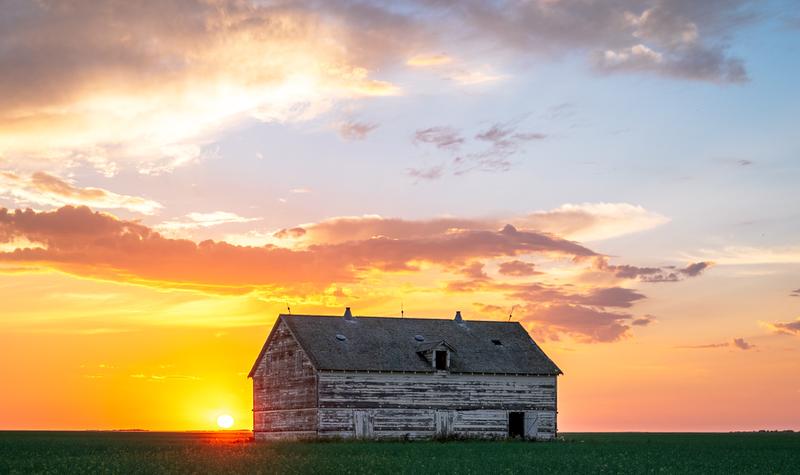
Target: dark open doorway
point(441, 360)
point(516, 424)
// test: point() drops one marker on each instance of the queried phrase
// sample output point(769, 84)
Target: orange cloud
point(79, 241)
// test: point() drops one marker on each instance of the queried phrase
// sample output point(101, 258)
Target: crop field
point(234, 452)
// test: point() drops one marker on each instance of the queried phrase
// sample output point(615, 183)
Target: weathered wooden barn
point(378, 377)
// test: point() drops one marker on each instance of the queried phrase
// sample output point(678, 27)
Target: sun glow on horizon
point(225, 421)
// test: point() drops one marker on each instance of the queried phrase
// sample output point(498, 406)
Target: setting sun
point(225, 421)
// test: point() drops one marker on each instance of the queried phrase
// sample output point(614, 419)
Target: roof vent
point(458, 318)
point(419, 337)
point(340, 337)
point(348, 315)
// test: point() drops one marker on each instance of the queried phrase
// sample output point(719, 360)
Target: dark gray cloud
point(675, 38)
point(654, 274)
point(742, 344)
point(643, 321)
point(787, 328)
point(738, 343)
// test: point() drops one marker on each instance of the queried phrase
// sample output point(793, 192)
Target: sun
point(225, 421)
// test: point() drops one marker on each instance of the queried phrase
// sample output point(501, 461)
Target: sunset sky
point(624, 175)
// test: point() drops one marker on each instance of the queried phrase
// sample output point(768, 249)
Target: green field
point(154, 452)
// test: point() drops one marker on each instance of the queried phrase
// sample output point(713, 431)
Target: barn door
point(445, 420)
point(362, 421)
point(531, 425)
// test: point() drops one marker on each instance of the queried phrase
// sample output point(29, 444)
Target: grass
point(155, 452)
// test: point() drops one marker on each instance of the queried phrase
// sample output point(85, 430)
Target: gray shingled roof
point(389, 344)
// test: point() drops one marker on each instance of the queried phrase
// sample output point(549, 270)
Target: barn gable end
point(284, 388)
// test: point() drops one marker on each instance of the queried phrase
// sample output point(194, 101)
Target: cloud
point(356, 130)
point(430, 173)
point(584, 222)
point(44, 189)
point(786, 328)
point(586, 324)
point(489, 150)
point(472, 77)
point(123, 83)
point(747, 255)
point(742, 344)
point(440, 137)
point(320, 259)
point(504, 141)
point(203, 220)
point(549, 312)
point(77, 240)
point(300, 191)
point(426, 60)
point(701, 347)
point(643, 321)
point(685, 40)
point(737, 343)
point(593, 221)
point(517, 268)
point(654, 274)
point(795, 293)
point(117, 84)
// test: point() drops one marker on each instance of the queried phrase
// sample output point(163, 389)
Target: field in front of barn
point(233, 452)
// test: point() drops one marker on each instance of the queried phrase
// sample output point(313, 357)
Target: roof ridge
point(306, 315)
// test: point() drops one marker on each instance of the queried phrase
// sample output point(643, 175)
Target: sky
point(620, 177)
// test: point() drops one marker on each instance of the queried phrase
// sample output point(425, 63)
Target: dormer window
point(436, 353)
point(441, 360)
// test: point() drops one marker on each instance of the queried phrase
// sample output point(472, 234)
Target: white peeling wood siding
point(406, 404)
point(284, 390)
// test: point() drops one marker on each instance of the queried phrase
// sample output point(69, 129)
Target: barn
point(379, 377)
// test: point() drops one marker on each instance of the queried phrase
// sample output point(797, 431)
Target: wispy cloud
point(749, 255)
point(44, 189)
point(489, 150)
point(429, 173)
point(426, 60)
point(356, 130)
point(786, 328)
point(654, 274)
point(203, 220)
point(736, 343)
point(441, 137)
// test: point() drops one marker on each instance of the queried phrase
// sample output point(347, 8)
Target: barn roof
point(393, 344)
